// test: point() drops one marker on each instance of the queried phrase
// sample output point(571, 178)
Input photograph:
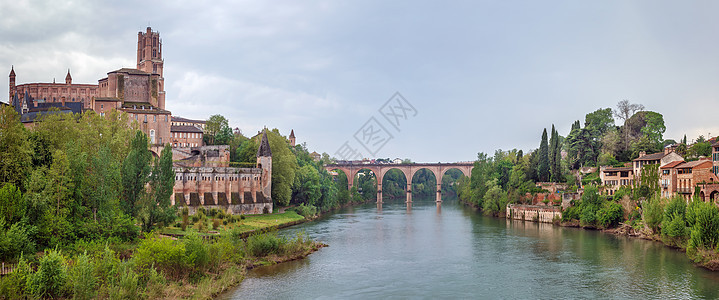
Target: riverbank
point(198, 265)
point(707, 259)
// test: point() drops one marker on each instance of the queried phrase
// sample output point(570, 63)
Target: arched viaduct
point(351, 170)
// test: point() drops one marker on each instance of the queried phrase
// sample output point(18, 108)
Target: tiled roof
point(694, 164)
point(653, 156)
point(672, 164)
point(185, 129)
point(130, 71)
point(619, 169)
point(181, 119)
point(107, 99)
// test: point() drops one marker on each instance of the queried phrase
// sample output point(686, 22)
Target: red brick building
point(614, 178)
point(139, 92)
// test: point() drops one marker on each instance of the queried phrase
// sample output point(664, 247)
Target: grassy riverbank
point(158, 266)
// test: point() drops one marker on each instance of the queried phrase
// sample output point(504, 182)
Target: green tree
point(155, 207)
point(306, 187)
point(284, 166)
point(15, 148)
point(135, 173)
point(543, 167)
point(554, 167)
point(12, 205)
point(102, 181)
point(217, 129)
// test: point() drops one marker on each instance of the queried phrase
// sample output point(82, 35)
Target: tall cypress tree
point(543, 167)
point(553, 142)
point(557, 158)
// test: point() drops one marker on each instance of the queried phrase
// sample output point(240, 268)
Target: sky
point(472, 76)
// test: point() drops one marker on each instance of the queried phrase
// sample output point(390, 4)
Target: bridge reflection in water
point(438, 169)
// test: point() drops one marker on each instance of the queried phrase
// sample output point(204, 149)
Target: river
point(451, 252)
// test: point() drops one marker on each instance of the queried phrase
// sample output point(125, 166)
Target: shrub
point(195, 218)
point(674, 228)
point(653, 212)
point(242, 217)
point(165, 254)
point(15, 241)
point(195, 251)
point(264, 244)
point(127, 287)
point(705, 232)
point(83, 280)
point(610, 215)
point(571, 213)
point(51, 277)
point(13, 286)
point(224, 222)
point(215, 224)
point(306, 211)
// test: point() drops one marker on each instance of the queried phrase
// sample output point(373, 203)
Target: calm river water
point(454, 252)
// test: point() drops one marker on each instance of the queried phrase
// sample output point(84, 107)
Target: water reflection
point(422, 250)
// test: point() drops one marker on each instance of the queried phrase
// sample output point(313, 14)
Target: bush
point(51, 277)
point(166, 255)
point(705, 232)
point(195, 252)
point(15, 241)
point(674, 227)
point(306, 211)
point(83, 279)
point(264, 244)
point(571, 213)
point(224, 222)
point(653, 212)
point(13, 286)
point(215, 224)
point(610, 215)
point(242, 217)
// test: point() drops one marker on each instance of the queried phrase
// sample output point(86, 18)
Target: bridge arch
point(351, 169)
point(384, 173)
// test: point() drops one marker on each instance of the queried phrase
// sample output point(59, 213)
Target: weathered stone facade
point(203, 178)
point(534, 213)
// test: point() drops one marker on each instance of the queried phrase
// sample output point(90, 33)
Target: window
point(152, 135)
point(154, 118)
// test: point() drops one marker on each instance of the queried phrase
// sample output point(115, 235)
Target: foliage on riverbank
point(161, 267)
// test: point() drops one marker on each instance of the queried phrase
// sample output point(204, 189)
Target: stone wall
point(534, 213)
point(236, 209)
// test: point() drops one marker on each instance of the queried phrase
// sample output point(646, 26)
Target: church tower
point(149, 60)
point(12, 83)
point(292, 138)
point(264, 162)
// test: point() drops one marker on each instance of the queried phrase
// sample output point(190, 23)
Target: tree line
point(75, 177)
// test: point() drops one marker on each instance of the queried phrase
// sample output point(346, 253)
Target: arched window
point(152, 136)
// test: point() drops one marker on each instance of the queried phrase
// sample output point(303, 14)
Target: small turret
point(292, 138)
point(12, 82)
point(68, 78)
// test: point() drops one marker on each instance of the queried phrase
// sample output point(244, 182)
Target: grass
point(248, 224)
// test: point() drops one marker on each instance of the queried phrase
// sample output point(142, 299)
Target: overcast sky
point(480, 75)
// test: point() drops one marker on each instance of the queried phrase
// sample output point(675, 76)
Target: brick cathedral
point(203, 173)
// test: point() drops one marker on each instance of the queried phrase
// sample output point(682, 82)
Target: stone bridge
point(351, 170)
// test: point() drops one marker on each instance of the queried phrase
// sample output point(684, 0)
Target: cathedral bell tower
point(149, 60)
point(12, 83)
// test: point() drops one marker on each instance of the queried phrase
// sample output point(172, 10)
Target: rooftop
point(130, 71)
point(653, 156)
point(672, 164)
point(185, 129)
point(181, 119)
